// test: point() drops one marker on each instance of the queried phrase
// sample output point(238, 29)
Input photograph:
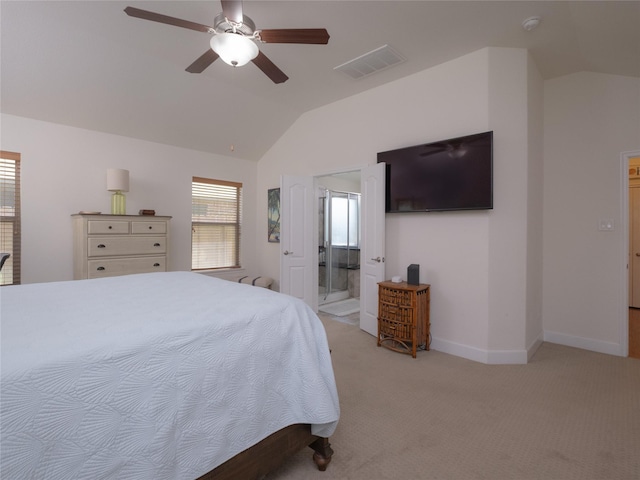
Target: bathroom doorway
point(339, 244)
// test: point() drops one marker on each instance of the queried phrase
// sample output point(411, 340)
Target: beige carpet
point(568, 414)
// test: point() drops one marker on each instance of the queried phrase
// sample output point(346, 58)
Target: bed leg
point(322, 453)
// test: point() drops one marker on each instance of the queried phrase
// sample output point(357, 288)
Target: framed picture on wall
point(273, 215)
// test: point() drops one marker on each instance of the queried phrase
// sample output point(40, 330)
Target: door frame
point(624, 320)
point(316, 219)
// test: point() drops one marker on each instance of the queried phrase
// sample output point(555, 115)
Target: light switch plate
point(605, 224)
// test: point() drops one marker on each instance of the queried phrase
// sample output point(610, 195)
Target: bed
point(171, 375)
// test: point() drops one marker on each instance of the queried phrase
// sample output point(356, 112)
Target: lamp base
point(118, 203)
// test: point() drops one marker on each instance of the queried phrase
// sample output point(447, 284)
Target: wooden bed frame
point(265, 456)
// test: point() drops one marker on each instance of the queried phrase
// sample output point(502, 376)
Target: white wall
point(535, 180)
point(475, 261)
point(589, 118)
point(64, 171)
point(515, 86)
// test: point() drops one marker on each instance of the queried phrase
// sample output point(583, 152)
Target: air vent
point(372, 62)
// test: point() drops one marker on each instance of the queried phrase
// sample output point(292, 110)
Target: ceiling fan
point(234, 38)
point(455, 149)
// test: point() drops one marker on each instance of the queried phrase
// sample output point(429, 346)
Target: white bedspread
point(154, 376)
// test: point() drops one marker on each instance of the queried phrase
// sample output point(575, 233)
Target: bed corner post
point(322, 453)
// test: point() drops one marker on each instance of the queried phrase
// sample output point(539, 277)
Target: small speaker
point(413, 274)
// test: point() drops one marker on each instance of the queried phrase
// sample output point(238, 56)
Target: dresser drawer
point(149, 227)
point(100, 227)
point(112, 246)
point(110, 267)
point(392, 296)
point(395, 313)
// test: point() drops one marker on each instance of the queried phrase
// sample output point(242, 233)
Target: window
point(10, 216)
point(216, 211)
point(345, 228)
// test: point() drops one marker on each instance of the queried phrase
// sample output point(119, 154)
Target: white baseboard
point(507, 357)
point(599, 346)
point(535, 345)
point(490, 357)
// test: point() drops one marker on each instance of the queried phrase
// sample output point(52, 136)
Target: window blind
point(216, 218)
point(10, 239)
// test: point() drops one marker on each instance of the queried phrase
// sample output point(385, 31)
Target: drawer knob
point(150, 227)
point(100, 269)
point(156, 244)
point(102, 245)
point(110, 227)
point(156, 264)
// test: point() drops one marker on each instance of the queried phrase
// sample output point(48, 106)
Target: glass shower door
point(341, 239)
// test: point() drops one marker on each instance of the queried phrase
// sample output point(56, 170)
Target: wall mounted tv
point(454, 174)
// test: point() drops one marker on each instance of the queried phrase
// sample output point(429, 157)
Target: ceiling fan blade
point(433, 148)
point(206, 59)
point(269, 68)
point(158, 17)
point(232, 9)
point(295, 35)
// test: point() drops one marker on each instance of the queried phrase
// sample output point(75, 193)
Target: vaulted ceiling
point(87, 64)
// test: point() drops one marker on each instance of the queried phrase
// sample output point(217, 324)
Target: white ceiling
point(87, 64)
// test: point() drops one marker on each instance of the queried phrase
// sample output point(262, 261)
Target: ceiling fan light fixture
point(457, 151)
point(234, 49)
point(531, 23)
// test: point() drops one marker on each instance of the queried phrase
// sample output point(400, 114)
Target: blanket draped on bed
point(154, 376)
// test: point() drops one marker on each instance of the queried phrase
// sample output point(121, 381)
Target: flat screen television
point(453, 174)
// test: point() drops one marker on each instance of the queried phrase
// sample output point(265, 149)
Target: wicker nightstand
point(403, 317)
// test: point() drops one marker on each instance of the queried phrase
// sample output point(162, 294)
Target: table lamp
point(118, 182)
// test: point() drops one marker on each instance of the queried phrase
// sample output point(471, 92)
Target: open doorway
point(631, 162)
point(339, 243)
point(299, 232)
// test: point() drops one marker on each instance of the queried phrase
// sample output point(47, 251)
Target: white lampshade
point(234, 49)
point(117, 180)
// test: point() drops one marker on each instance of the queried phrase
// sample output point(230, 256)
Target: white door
point(372, 268)
point(296, 238)
point(634, 247)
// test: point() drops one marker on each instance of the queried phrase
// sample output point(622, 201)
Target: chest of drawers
point(111, 245)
